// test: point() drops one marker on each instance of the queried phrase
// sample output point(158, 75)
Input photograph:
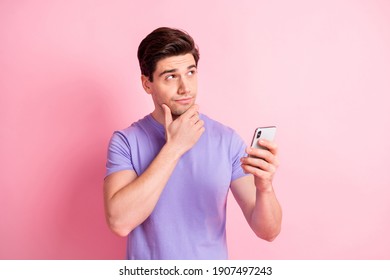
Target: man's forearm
point(266, 217)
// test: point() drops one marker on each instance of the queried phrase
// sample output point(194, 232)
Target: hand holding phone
point(262, 161)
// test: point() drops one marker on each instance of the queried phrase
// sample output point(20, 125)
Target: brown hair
point(161, 43)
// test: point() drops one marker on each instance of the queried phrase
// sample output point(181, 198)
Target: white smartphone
point(267, 133)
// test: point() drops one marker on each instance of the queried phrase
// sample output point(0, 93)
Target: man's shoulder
point(216, 126)
point(138, 129)
point(140, 125)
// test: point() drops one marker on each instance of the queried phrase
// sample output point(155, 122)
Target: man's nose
point(184, 86)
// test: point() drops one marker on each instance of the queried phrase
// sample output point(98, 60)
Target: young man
point(169, 174)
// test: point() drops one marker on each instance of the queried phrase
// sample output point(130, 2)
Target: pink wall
point(319, 70)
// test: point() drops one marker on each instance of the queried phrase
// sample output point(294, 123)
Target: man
point(168, 175)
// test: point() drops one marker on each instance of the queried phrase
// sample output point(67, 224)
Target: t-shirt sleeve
point(237, 152)
point(118, 154)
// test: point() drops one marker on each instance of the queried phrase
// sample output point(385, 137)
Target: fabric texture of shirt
point(189, 219)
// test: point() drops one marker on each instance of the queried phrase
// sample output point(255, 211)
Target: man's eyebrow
point(175, 70)
point(168, 71)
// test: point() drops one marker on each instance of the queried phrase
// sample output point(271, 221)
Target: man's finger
point(269, 145)
point(167, 114)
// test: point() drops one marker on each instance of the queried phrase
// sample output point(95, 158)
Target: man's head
point(168, 59)
point(162, 43)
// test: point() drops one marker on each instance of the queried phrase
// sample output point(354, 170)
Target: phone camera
point(258, 134)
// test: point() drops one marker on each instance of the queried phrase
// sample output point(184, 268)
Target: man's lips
point(184, 100)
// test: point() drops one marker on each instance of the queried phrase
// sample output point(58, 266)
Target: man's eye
point(191, 73)
point(170, 77)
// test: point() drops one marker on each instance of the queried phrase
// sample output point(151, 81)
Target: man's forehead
point(175, 62)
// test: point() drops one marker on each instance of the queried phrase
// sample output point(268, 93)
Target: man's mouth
point(185, 100)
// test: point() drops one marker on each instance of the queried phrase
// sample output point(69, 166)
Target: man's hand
point(183, 132)
point(262, 164)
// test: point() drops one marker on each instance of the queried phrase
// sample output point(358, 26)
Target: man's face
point(175, 84)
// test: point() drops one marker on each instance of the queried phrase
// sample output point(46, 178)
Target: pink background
point(319, 70)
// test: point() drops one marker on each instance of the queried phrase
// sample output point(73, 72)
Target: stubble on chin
point(178, 112)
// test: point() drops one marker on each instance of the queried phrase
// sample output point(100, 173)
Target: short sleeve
point(118, 154)
point(237, 151)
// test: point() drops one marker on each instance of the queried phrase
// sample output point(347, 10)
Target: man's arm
point(130, 199)
point(255, 194)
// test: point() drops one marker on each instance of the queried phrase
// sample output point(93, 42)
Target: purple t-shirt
point(189, 219)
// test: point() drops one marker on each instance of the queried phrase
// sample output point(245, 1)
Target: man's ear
point(146, 84)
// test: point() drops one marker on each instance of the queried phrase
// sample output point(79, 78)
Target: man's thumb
point(168, 115)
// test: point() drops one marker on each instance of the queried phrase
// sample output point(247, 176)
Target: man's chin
point(177, 112)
